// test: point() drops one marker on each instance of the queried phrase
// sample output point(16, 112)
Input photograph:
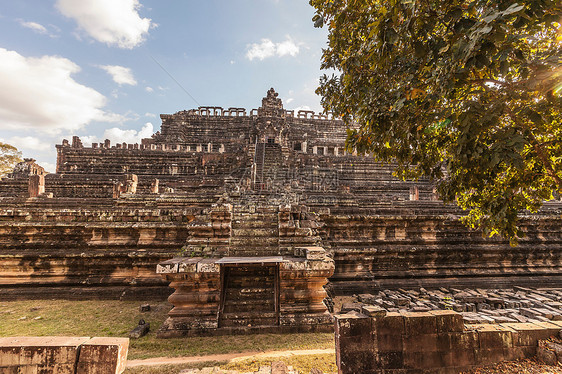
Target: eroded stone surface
point(519, 304)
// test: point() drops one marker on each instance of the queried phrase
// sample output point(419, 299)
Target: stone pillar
point(434, 194)
point(131, 181)
point(414, 193)
point(76, 142)
point(355, 344)
point(36, 185)
point(154, 186)
point(196, 298)
point(117, 189)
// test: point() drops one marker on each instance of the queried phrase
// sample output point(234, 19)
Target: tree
point(467, 93)
point(9, 157)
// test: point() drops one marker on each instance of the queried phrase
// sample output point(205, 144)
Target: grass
point(117, 318)
point(169, 369)
point(303, 364)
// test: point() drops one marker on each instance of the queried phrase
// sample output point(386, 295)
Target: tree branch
point(538, 147)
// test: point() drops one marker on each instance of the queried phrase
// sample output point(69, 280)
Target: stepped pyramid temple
point(256, 220)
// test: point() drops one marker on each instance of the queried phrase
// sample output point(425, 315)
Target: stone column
point(36, 185)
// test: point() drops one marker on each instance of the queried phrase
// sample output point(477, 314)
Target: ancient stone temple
point(252, 218)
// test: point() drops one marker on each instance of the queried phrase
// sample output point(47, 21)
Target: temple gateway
point(255, 220)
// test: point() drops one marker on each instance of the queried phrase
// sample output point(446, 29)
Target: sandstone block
point(420, 343)
point(448, 321)
point(27, 353)
point(528, 334)
point(103, 355)
point(486, 356)
point(423, 360)
point(391, 324)
point(495, 337)
point(420, 323)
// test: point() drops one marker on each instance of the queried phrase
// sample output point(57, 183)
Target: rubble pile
point(518, 304)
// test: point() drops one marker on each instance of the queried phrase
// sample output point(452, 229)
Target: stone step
point(252, 232)
point(254, 224)
point(237, 320)
point(248, 241)
point(250, 306)
point(249, 286)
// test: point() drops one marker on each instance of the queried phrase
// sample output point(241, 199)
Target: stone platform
point(247, 294)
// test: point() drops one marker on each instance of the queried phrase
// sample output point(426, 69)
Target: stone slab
point(103, 355)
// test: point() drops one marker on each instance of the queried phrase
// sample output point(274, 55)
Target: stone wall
point(376, 342)
point(63, 355)
point(411, 244)
point(54, 248)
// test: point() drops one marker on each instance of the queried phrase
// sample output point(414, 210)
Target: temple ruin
point(256, 219)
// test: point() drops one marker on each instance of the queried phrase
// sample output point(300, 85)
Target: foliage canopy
point(468, 93)
point(9, 157)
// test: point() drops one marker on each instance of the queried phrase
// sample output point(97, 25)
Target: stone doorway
point(249, 295)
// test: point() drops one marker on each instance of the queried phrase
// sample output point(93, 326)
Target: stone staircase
point(255, 231)
point(249, 297)
point(268, 165)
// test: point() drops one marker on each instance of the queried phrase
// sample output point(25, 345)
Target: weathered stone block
point(420, 343)
point(420, 323)
point(458, 357)
point(208, 266)
point(391, 324)
point(373, 311)
point(486, 356)
point(448, 321)
point(103, 355)
point(464, 341)
point(423, 360)
point(389, 342)
point(391, 359)
point(528, 334)
point(26, 353)
point(494, 337)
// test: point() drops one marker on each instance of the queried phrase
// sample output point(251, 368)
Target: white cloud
point(149, 89)
point(38, 28)
point(268, 48)
point(148, 114)
point(302, 107)
point(261, 51)
point(120, 74)
point(114, 22)
point(29, 142)
point(88, 140)
point(34, 26)
point(289, 100)
point(40, 93)
point(288, 47)
point(117, 135)
point(50, 167)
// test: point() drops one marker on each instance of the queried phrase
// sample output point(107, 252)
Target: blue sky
point(107, 68)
